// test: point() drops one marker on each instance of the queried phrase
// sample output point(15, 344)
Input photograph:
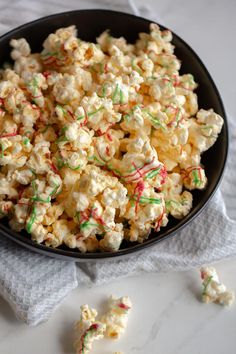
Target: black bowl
point(90, 24)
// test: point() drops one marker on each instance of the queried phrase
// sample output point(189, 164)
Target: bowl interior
point(90, 23)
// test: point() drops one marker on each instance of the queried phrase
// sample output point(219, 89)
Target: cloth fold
point(34, 285)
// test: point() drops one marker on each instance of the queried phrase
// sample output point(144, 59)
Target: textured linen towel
point(34, 284)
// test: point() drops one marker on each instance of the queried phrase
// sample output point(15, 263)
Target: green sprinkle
point(206, 285)
point(61, 139)
point(96, 159)
point(2, 151)
point(33, 171)
point(104, 90)
point(153, 173)
point(115, 93)
point(64, 129)
point(196, 179)
point(207, 127)
point(35, 197)
point(77, 215)
point(49, 54)
point(156, 121)
point(114, 169)
point(145, 200)
point(121, 97)
point(60, 163)
point(61, 108)
point(136, 67)
point(56, 186)
point(73, 168)
point(39, 199)
point(34, 85)
point(32, 220)
point(26, 141)
point(88, 224)
point(80, 117)
point(127, 117)
point(34, 187)
point(96, 111)
point(169, 202)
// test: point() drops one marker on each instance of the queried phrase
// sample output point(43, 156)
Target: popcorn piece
point(88, 329)
point(35, 87)
point(178, 204)
point(213, 290)
point(112, 240)
point(194, 178)
point(204, 130)
point(21, 48)
point(5, 208)
point(116, 318)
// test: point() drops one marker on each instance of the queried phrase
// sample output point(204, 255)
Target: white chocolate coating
point(99, 142)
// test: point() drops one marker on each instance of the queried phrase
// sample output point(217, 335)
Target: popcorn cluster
point(111, 325)
point(99, 142)
point(213, 289)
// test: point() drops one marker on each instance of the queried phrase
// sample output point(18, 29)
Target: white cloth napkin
point(34, 284)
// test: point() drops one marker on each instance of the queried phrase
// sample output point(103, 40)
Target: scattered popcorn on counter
point(89, 330)
point(99, 142)
point(111, 325)
point(116, 317)
point(213, 290)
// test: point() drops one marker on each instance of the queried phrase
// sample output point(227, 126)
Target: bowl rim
point(72, 255)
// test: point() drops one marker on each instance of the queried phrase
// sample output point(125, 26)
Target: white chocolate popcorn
point(213, 290)
point(112, 324)
point(116, 318)
point(88, 329)
point(99, 142)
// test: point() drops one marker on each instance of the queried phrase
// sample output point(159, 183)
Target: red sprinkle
point(22, 203)
point(109, 136)
point(123, 306)
point(8, 135)
point(106, 68)
point(202, 274)
point(106, 132)
point(54, 168)
point(159, 220)
point(86, 119)
point(108, 151)
point(96, 217)
point(71, 114)
point(46, 74)
point(84, 216)
point(134, 173)
point(139, 190)
point(163, 174)
point(6, 208)
point(37, 96)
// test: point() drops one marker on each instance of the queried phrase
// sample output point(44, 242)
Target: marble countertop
point(167, 317)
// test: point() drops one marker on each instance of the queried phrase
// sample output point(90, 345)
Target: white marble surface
point(167, 317)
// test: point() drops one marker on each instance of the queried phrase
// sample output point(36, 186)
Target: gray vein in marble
point(157, 324)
